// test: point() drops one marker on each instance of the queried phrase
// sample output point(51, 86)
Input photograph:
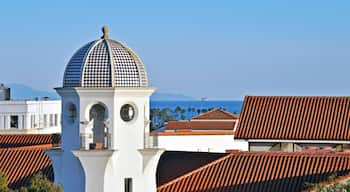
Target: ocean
point(194, 108)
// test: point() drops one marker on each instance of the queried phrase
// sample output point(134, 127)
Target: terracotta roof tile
point(19, 165)
point(170, 160)
point(7, 141)
point(200, 125)
point(296, 118)
point(190, 132)
point(216, 119)
point(247, 171)
point(217, 114)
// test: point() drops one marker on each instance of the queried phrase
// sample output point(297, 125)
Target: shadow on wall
point(173, 164)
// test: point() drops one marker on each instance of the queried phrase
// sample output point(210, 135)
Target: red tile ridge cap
point(236, 116)
point(194, 171)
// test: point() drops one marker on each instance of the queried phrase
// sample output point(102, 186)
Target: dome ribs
point(105, 63)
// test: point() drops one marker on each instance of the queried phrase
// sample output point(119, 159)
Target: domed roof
point(105, 63)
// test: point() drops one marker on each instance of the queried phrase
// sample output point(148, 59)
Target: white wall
point(28, 111)
point(127, 156)
point(204, 143)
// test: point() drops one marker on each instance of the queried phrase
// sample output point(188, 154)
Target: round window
point(127, 112)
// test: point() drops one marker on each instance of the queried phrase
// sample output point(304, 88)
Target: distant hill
point(21, 91)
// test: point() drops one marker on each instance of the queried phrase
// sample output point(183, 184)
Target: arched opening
point(98, 115)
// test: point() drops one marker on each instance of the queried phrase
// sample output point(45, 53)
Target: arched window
point(98, 115)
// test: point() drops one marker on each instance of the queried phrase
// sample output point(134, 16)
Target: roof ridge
point(231, 114)
point(215, 109)
point(195, 171)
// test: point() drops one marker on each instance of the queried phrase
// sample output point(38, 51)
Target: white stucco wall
point(203, 143)
point(127, 157)
point(31, 116)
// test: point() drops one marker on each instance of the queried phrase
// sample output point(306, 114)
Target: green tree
point(183, 115)
point(177, 109)
point(193, 109)
point(39, 183)
point(3, 183)
point(342, 186)
point(154, 115)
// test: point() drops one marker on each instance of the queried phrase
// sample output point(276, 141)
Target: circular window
point(127, 112)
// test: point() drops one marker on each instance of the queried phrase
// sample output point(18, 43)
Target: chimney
point(5, 93)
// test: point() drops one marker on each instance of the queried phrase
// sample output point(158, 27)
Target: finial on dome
point(105, 31)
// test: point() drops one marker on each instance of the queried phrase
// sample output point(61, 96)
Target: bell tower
point(105, 122)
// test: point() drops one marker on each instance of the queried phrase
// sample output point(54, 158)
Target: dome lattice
point(105, 63)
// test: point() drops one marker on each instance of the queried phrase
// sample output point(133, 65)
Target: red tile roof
point(217, 114)
point(214, 120)
point(7, 141)
point(269, 171)
point(190, 132)
point(19, 165)
point(200, 125)
point(170, 160)
point(295, 118)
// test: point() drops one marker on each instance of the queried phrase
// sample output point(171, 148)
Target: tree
point(193, 110)
point(154, 121)
point(39, 183)
point(177, 111)
point(341, 186)
point(3, 183)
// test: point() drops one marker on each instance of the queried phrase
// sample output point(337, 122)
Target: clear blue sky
point(215, 49)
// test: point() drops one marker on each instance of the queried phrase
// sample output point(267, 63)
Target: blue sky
point(214, 49)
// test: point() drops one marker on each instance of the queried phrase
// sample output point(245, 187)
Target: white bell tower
point(105, 122)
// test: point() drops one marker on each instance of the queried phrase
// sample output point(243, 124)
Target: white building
point(105, 124)
point(212, 131)
point(28, 116)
